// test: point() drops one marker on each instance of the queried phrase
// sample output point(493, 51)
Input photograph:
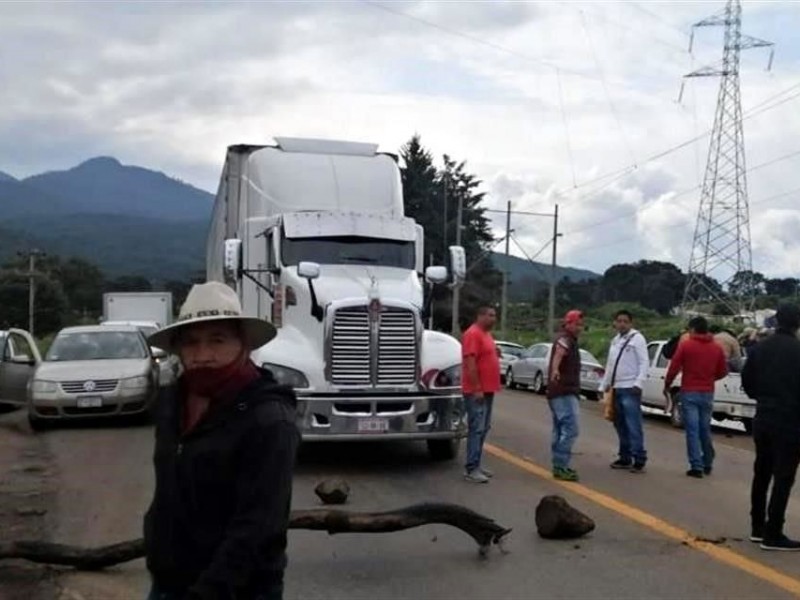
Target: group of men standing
point(771, 376)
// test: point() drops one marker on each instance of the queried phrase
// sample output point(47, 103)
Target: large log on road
point(485, 531)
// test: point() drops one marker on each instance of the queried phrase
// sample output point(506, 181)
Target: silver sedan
point(530, 370)
point(93, 371)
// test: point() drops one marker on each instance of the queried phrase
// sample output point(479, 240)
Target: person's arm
point(642, 360)
point(560, 349)
point(263, 494)
point(470, 349)
point(605, 385)
point(750, 376)
point(675, 367)
point(722, 366)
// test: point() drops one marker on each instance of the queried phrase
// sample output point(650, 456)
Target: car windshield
point(512, 350)
point(99, 345)
point(588, 357)
point(349, 250)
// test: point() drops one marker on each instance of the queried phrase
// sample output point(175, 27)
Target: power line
point(678, 195)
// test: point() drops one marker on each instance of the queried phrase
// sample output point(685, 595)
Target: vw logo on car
point(89, 386)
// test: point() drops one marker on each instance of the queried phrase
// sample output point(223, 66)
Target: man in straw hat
point(226, 442)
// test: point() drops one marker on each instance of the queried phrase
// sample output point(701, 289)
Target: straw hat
point(209, 302)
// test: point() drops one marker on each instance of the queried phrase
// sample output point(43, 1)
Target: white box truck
point(138, 307)
point(312, 235)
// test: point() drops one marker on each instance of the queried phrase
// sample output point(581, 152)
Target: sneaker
point(621, 464)
point(638, 468)
point(757, 534)
point(565, 474)
point(781, 544)
point(475, 476)
point(488, 472)
point(708, 470)
point(696, 473)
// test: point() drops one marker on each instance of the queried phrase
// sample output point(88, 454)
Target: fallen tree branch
point(485, 531)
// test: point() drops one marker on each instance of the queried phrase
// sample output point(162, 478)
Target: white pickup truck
point(730, 401)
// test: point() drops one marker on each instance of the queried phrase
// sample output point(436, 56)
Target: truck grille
point(380, 355)
point(80, 387)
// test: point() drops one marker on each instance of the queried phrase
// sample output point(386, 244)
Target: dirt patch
point(26, 495)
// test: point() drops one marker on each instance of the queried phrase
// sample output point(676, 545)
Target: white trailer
point(313, 237)
point(138, 307)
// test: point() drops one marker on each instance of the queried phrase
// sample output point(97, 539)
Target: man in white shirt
point(626, 372)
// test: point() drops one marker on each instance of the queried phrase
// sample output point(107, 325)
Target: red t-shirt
point(480, 344)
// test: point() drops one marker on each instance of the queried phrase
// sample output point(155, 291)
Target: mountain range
point(135, 221)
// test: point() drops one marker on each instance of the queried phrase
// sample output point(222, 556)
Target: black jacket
point(217, 525)
point(771, 376)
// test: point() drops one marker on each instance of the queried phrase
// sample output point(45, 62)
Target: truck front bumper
point(381, 417)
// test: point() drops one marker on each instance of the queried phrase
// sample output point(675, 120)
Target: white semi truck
point(312, 235)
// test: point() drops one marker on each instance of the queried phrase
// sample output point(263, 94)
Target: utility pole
point(721, 248)
point(444, 221)
point(551, 304)
point(32, 288)
point(504, 297)
point(455, 330)
point(430, 312)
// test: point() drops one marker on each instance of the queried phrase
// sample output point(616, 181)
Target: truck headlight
point(135, 382)
point(445, 379)
point(287, 376)
point(44, 387)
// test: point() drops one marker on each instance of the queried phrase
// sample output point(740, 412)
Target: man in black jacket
point(771, 376)
point(226, 441)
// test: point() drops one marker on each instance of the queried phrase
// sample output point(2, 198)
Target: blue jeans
point(628, 423)
point(696, 408)
point(479, 422)
point(565, 429)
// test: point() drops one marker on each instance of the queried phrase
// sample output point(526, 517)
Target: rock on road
point(103, 479)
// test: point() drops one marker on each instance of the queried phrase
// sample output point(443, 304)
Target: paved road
point(636, 551)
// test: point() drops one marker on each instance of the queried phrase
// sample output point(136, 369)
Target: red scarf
point(207, 386)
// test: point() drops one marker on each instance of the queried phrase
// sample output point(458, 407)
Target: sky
point(566, 103)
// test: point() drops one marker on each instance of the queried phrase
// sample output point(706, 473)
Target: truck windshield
point(349, 250)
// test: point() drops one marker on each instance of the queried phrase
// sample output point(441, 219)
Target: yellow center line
point(720, 553)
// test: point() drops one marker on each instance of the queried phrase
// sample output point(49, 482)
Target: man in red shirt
point(701, 362)
point(480, 380)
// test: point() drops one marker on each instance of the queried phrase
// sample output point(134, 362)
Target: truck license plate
point(373, 426)
point(90, 402)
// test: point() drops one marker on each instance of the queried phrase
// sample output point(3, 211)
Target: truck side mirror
point(308, 270)
point(458, 264)
point(436, 275)
point(232, 259)
point(158, 353)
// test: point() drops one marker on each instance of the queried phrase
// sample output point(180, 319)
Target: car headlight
point(287, 376)
point(44, 387)
point(449, 378)
point(135, 382)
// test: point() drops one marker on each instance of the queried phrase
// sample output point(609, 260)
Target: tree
point(431, 198)
point(130, 283)
point(746, 284)
point(783, 288)
point(51, 301)
point(653, 284)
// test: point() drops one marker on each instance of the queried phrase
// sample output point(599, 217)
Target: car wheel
point(441, 450)
point(510, 383)
point(7, 408)
point(593, 396)
point(676, 417)
point(38, 424)
point(748, 426)
point(538, 383)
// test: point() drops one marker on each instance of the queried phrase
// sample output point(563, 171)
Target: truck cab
point(313, 237)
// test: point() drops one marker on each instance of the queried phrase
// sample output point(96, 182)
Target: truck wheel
point(538, 383)
point(7, 408)
point(440, 450)
point(593, 396)
point(676, 418)
point(510, 383)
point(748, 426)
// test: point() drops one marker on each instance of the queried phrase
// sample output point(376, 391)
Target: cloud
point(169, 85)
